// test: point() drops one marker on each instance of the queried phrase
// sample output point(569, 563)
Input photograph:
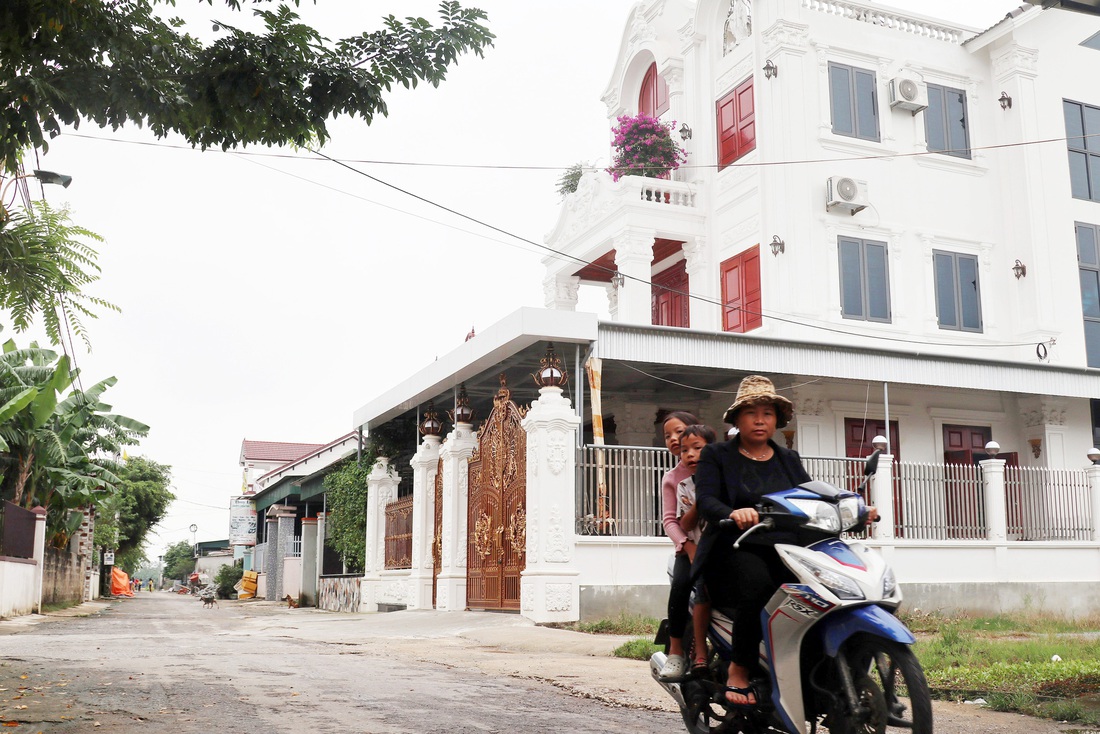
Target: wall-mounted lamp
point(617, 280)
point(993, 448)
point(1036, 447)
point(788, 437)
point(1094, 455)
point(771, 71)
point(1019, 270)
point(685, 132)
point(1005, 100)
point(777, 245)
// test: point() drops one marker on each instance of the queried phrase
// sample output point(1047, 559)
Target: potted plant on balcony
point(644, 146)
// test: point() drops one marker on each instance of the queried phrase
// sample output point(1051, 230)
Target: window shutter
point(647, 98)
point(736, 114)
point(741, 292)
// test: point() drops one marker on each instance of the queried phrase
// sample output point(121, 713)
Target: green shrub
point(639, 649)
point(227, 577)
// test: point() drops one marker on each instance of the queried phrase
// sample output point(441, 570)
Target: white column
point(702, 282)
point(424, 466)
point(993, 481)
point(1092, 471)
point(882, 497)
point(451, 583)
point(612, 291)
point(549, 584)
point(39, 555)
point(381, 490)
point(634, 259)
point(560, 291)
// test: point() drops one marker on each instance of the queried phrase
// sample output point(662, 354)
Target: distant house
point(260, 457)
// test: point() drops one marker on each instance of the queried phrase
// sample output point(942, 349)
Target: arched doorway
point(497, 520)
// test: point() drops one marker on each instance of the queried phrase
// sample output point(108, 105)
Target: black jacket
point(719, 491)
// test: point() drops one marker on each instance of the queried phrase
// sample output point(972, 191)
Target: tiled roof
point(275, 450)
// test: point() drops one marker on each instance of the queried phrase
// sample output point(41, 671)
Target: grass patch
point(624, 624)
point(639, 649)
point(58, 606)
point(1036, 664)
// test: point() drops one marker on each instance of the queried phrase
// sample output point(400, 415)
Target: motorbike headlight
point(889, 582)
point(850, 509)
point(822, 515)
point(838, 583)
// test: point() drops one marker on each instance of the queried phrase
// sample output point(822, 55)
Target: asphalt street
point(162, 664)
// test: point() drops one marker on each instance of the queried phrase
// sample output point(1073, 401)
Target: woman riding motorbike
point(730, 480)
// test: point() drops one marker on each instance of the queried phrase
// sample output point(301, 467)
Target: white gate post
point(424, 466)
point(39, 555)
point(1092, 471)
point(993, 483)
point(450, 589)
point(549, 584)
point(381, 490)
point(882, 497)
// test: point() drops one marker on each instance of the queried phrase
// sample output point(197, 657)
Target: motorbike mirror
point(872, 463)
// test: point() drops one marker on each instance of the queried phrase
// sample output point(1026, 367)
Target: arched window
point(653, 99)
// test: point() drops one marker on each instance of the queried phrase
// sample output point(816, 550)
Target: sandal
point(699, 666)
point(673, 668)
point(746, 692)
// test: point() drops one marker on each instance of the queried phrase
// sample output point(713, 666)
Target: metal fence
point(619, 490)
point(16, 531)
point(939, 502)
point(399, 533)
point(258, 553)
point(295, 547)
point(1047, 504)
point(619, 493)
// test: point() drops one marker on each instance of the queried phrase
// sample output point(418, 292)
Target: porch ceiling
point(711, 357)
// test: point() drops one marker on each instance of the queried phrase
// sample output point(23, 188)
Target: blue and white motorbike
point(833, 653)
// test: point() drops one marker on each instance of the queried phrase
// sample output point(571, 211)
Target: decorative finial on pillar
point(552, 374)
point(462, 412)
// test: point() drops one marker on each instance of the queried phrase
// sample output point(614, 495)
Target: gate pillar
point(451, 582)
point(424, 465)
point(550, 589)
point(381, 490)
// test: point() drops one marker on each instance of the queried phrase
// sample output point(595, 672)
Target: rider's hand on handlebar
point(872, 514)
point(745, 517)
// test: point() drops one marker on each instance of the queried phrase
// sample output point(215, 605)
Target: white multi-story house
point(894, 217)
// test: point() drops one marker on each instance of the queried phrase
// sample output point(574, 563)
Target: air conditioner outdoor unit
point(846, 193)
point(908, 93)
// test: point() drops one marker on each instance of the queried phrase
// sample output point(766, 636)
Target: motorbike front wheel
point(895, 670)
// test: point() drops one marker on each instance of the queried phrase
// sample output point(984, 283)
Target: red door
point(670, 296)
point(741, 297)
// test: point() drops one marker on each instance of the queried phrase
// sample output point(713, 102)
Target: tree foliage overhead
point(44, 266)
point(117, 62)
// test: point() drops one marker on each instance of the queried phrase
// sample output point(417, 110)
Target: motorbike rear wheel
point(895, 670)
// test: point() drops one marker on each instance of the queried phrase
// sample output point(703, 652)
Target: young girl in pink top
point(680, 592)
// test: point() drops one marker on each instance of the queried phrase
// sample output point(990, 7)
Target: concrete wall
point(63, 578)
point(17, 586)
point(339, 593)
point(292, 576)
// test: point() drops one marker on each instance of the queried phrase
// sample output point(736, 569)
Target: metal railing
point(619, 490)
point(939, 502)
point(1047, 504)
point(295, 550)
point(258, 553)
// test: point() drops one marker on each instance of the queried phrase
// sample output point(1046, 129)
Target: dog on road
point(209, 602)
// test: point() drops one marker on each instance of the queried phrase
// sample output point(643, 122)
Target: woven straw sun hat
point(756, 390)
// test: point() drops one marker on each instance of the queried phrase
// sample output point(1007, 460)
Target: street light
point(46, 177)
point(194, 549)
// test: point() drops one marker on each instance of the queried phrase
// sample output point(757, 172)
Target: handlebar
point(766, 524)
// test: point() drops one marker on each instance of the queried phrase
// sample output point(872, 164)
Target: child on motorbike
point(692, 441)
point(679, 593)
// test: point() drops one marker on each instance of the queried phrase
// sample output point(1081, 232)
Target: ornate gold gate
point(497, 528)
point(437, 533)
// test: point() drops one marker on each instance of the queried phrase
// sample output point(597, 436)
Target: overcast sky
point(267, 298)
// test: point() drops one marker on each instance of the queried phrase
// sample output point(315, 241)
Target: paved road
point(162, 664)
